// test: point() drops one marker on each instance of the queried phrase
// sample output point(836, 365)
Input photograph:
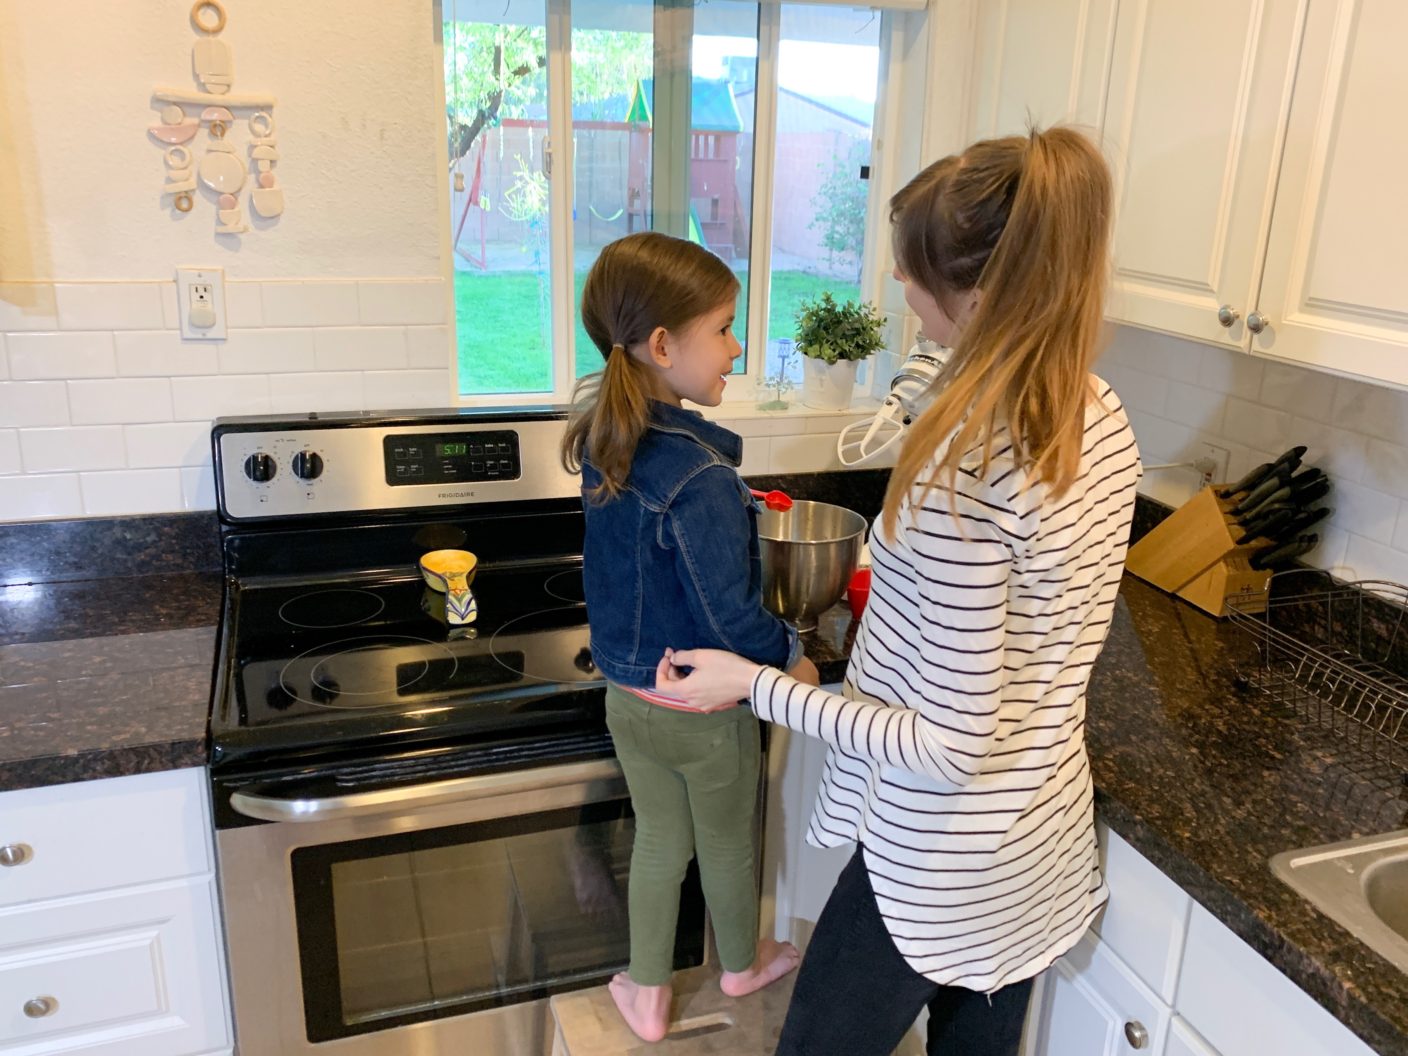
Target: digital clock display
point(451, 450)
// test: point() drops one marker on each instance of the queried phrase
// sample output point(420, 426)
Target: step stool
point(703, 1020)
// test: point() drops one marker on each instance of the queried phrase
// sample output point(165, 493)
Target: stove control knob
point(260, 467)
point(307, 465)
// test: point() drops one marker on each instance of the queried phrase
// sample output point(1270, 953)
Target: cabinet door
point(1199, 91)
point(1183, 1040)
point(1333, 292)
point(1043, 62)
point(1092, 1004)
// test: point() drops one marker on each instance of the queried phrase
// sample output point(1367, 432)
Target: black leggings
point(856, 995)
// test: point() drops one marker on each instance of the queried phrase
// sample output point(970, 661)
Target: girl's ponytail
point(1025, 221)
point(638, 284)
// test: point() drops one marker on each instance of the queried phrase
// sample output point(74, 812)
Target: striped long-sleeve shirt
point(957, 749)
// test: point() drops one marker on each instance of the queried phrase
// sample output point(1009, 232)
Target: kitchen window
point(745, 127)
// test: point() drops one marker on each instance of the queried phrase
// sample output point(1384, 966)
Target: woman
point(957, 759)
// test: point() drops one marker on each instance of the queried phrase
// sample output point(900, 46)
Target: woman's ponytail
point(1025, 221)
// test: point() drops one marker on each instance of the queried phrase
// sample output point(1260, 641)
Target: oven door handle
point(254, 803)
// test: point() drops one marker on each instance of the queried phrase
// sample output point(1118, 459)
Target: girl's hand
point(719, 679)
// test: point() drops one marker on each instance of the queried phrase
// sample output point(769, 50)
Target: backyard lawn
point(501, 323)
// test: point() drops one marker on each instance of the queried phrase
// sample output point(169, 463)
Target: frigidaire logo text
point(455, 495)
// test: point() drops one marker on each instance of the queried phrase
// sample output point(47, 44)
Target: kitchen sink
point(1361, 884)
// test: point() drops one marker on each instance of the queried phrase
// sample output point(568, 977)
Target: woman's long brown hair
point(638, 283)
point(1024, 221)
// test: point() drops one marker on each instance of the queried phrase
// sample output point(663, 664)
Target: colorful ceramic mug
point(451, 572)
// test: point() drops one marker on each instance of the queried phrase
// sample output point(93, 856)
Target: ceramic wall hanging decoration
point(219, 168)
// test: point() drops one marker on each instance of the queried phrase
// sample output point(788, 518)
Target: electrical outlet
point(200, 302)
point(1212, 463)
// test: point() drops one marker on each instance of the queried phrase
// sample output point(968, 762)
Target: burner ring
point(577, 597)
point(494, 650)
point(337, 603)
point(335, 696)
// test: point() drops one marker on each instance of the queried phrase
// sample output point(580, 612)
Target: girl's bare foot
point(773, 961)
point(646, 1009)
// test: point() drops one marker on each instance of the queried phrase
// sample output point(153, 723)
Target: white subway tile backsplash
point(1365, 512)
point(10, 452)
point(1167, 356)
point(1366, 559)
point(757, 455)
point(267, 351)
point(201, 399)
point(244, 304)
point(1400, 534)
point(325, 391)
point(1386, 467)
point(109, 305)
point(1161, 440)
point(72, 448)
point(28, 306)
point(361, 348)
point(197, 489)
point(1138, 389)
point(1378, 412)
point(131, 491)
point(804, 453)
point(405, 389)
point(114, 401)
point(170, 313)
point(4, 360)
point(41, 354)
point(33, 403)
point(389, 303)
point(33, 496)
point(1339, 452)
point(168, 444)
point(163, 354)
point(1254, 425)
point(309, 303)
point(428, 346)
point(1330, 551)
point(1234, 373)
point(1200, 408)
point(1302, 392)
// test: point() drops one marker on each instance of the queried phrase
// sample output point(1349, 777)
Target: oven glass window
point(400, 929)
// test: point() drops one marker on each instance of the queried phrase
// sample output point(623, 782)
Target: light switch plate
point(200, 303)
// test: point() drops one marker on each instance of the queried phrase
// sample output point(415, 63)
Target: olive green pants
point(694, 788)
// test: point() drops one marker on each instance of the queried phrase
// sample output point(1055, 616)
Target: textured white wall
point(358, 130)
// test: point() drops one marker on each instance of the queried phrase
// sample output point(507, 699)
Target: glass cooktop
point(323, 665)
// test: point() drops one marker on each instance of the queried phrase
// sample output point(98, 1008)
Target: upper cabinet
point(1197, 90)
point(1041, 62)
point(1255, 147)
point(1334, 292)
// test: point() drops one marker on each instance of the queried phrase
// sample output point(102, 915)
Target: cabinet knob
point(16, 853)
point(1256, 322)
point(1136, 1034)
point(1227, 315)
point(39, 1007)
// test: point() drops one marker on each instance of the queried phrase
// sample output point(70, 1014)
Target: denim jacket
point(673, 559)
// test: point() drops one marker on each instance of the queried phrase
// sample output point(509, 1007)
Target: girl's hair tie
point(618, 347)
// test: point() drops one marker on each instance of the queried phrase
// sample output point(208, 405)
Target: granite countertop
point(105, 677)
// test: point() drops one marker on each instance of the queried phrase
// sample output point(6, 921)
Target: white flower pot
point(828, 386)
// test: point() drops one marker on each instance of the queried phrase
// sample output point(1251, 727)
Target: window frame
point(889, 125)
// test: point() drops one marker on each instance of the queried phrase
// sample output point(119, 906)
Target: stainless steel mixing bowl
point(809, 554)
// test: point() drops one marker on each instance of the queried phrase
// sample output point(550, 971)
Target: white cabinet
point(1200, 990)
point(1198, 89)
point(1041, 62)
point(110, 943)
point(1334, 295)
point(1092, 1004)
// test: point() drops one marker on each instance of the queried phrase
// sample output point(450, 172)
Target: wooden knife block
point(1194, 554)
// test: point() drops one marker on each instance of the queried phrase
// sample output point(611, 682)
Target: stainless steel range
point(422, 830)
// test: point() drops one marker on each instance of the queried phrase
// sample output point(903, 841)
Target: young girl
point(957, 756)
point(671, 555)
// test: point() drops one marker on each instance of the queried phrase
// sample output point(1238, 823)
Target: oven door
point(431, 918)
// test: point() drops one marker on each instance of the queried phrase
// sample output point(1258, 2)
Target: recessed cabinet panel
point(1334, 294)
point(1041, 62)
point(1198, 94)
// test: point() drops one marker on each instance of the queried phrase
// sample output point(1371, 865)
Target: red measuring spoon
point(773, 500)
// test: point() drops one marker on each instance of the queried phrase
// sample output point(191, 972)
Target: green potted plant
point(833, 338)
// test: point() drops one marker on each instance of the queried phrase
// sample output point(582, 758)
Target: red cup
point(858, 592)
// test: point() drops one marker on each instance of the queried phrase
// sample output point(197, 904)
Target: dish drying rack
point(1317, 654)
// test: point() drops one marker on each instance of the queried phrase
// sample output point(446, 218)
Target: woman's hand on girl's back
point(718, 680)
